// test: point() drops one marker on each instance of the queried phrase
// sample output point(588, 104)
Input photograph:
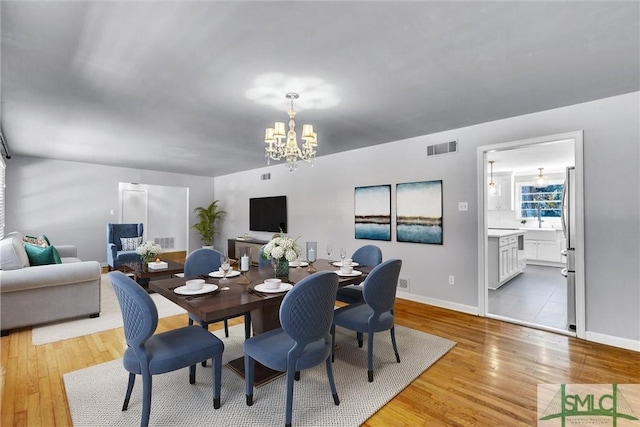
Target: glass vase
point(280, 267)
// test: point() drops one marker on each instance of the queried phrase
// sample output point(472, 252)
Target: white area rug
point(95, 394)
point(110, 318)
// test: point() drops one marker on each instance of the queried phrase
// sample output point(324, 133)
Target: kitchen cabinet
point(544, 247)
point(506, 256)
point(502, 199)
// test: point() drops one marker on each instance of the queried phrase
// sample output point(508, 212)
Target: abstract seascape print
point(419, 212)
point(373, 212)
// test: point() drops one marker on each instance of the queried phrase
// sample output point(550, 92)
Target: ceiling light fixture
point(492, 185)
point(541, 180)
point(277, 148)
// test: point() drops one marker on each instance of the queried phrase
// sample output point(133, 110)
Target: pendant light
point(492, 185)
point(541, 180)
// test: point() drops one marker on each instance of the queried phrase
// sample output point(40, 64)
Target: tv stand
point(234, 245)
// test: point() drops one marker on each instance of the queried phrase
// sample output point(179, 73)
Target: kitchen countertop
point(494, 232)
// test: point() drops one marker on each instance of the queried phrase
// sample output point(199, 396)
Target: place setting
point(271, 286)
point(196, 288)
point(346, 268)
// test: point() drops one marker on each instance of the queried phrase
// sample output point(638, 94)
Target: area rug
point(110, 317)
point(95, 394)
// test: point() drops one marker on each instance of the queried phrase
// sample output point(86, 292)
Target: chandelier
point(277, 148)
point(541, 180)
point(492, 185)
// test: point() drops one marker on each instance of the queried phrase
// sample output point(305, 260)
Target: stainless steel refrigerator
point(569, 229)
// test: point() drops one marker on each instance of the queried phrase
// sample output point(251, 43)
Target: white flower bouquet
point(281, 247)
point(149, 251)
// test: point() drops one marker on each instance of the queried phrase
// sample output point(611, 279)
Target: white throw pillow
point(130, 243)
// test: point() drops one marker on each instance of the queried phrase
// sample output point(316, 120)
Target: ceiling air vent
point(443, 148)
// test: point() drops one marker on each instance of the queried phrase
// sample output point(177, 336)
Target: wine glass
point(329, 251)
point(225, 265)
point(343, 253)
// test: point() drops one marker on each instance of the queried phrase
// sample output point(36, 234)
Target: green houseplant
point(206, 224)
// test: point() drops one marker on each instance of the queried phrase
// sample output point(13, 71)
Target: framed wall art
point(419, 212)
point(373, 212)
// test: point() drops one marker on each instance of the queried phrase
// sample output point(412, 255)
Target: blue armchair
point(115, 254)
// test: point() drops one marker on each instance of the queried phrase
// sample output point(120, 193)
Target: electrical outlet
point(452, 280)
point(463, 206)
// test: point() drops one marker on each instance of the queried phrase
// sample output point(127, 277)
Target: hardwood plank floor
point(490, 378)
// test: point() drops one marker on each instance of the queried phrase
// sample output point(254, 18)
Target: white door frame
point(577, 136)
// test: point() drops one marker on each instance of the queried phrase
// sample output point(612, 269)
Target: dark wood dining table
point(238, 298)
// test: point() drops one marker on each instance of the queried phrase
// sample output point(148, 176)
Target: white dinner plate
point(218, 274)
point(339, 264)
point(284, 287)
point(354, 273)
point(298, 264)
point(208, 287)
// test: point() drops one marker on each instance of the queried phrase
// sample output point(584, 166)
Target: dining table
point(237, 295)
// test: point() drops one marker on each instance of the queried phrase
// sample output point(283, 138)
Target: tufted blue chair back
point(369, 255)
point(202, 262)
point(306, 313)
point(139, 313)
point(380, 286)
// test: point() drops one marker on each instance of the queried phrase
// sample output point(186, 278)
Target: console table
point(234, 245)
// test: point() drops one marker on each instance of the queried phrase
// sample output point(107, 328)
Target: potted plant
point(206, 224)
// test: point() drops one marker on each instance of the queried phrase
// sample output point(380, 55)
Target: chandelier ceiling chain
point(277, 148)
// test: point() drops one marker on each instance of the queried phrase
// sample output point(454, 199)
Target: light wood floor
point(489, 379)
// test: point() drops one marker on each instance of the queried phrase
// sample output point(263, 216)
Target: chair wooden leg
point(360, 339)
point(127, 396)
point(393, 342)
point(205, 325)
point(289, 403)
point(217, 380)
point(226, 328)
point(192, 374)
point(332, 383)
point(147, 383)
point(370, 355)
point(333, 342)
point(249, 366)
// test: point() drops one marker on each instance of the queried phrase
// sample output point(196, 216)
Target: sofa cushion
point(12, 253)
point(42, 256)
point(130, 243)
point(38, 241)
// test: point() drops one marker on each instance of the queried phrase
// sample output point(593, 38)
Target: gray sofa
point(31, 295)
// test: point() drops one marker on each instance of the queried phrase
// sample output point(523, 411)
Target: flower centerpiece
point(281, 250)
point(149, 251)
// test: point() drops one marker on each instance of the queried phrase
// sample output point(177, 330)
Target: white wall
point(320, 203)
point(70, 202)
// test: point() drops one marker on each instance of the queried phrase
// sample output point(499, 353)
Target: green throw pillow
point(42, 256)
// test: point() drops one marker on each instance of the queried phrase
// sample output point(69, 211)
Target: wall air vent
point(403, 284)
point(165, 242)
point(265, 176)
point(442, 148)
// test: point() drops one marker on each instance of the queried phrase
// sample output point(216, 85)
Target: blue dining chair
point(201, 262)
point(303, 341)
point(376, 313)
point(148, 354)
point(368, 255)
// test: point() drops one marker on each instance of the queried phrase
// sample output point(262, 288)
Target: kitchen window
point(544, 202)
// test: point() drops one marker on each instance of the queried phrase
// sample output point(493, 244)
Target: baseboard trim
point(439, 303)
point(613, 341)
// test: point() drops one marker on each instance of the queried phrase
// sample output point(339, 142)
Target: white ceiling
point(189, 87)
point(553, 156)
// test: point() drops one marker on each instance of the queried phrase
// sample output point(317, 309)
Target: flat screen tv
point(268, 214)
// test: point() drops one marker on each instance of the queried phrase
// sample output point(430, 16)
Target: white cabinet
point(502, 199)
point(505, 259)
point(544, 247)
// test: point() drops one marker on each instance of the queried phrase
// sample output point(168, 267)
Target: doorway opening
point(523, 234)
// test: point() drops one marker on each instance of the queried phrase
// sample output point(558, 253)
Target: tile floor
point(538, 295)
